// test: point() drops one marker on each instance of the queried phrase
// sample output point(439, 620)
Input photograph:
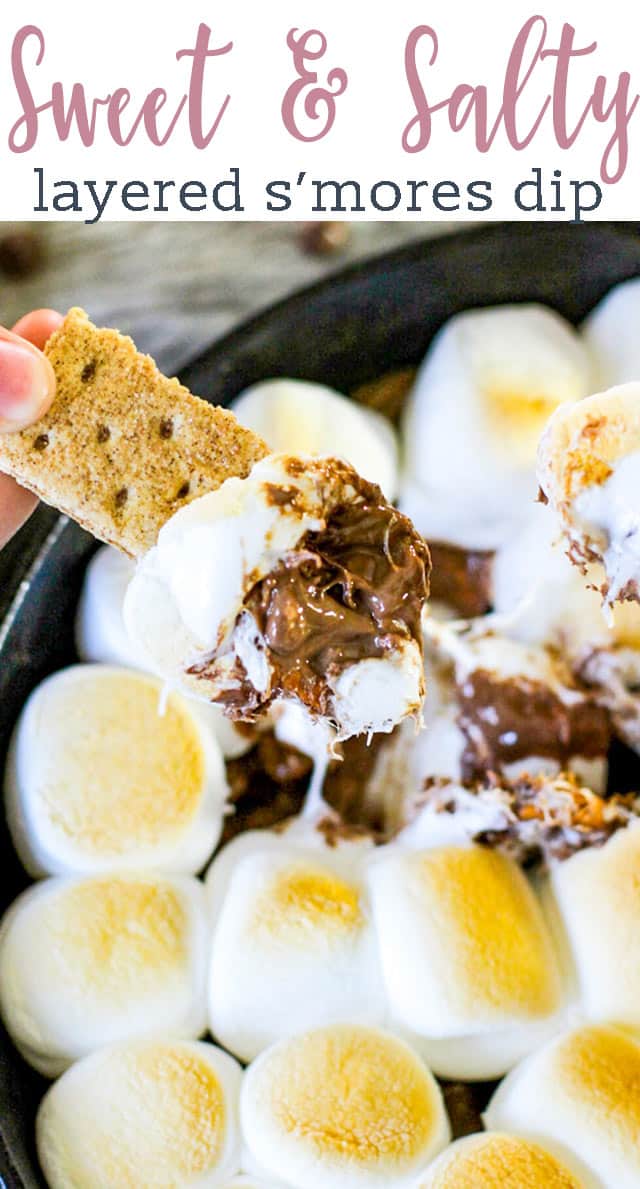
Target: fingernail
point(27, 382)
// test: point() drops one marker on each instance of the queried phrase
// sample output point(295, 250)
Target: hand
point(27, 387)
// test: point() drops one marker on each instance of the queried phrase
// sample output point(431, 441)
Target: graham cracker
point(122, 447)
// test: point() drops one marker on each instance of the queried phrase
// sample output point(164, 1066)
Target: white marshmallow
point(452, 815)
point(594, 897)
point(469, 966)
point(101, 636)
point(156, 1113)
point(540, 597)
point(97, 778)
point(188, 590)
point(100, 631)
point(616, 671)
point(412, 756)
point(293, 945)
point(293, 725)
point(487, 385)
point(507, 659)
point(345, 1107)
point(184, 605)
point(483, 1161)
point(373, 695)
point(298, 417)
point(611, 335)
point(582, 1092)
point(87, 962)
point(248, 1182)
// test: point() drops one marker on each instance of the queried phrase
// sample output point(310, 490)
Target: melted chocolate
point(347, 779)
point(353, 591)
point(462, 578)
point(267, 785)
point(465, 1104)
point(508, 720)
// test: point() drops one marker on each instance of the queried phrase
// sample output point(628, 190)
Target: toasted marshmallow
point(469, 965)
point(611, 335)
point(98, 778)
point(588, 468)
point(158, 1113)
point(499, 373)
point(87, 962)
point(483, 1161)
point(298, 417)
point(581, 1092)
point(593, 896)
point(293, 945)
point(535, 820)
point(189, 605)
point(347, 1106)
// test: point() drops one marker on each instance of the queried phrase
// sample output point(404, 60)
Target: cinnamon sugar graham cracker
point(122, 447)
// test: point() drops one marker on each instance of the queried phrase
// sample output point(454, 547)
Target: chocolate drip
point(462, 578)
point(511, 719)
point(268, 784)
point(345, 785)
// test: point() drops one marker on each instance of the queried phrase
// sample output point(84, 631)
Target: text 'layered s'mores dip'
point(320, 864)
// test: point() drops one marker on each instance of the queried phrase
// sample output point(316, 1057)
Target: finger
point(27, 382)
point(38, 326)
point(16, 505)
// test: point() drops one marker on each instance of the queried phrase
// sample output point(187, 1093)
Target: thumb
point(27, 382)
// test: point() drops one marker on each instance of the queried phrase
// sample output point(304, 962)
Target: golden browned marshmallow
point(86, 962)
point(159, 1113)
point(595, 896)
point(469, 965)
point(493, 1160)
point(346, 1106)
point(293, 944)
point(471, 423)
point(582, 1092)
point(589, 471)
point(98, 778)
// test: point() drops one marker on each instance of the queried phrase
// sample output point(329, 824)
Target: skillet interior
point(369, 320)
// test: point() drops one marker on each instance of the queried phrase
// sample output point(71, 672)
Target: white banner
point(319, 110)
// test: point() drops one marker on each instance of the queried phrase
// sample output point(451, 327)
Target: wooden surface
point(177, 286)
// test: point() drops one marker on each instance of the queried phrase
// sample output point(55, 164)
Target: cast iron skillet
point(351, 328)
